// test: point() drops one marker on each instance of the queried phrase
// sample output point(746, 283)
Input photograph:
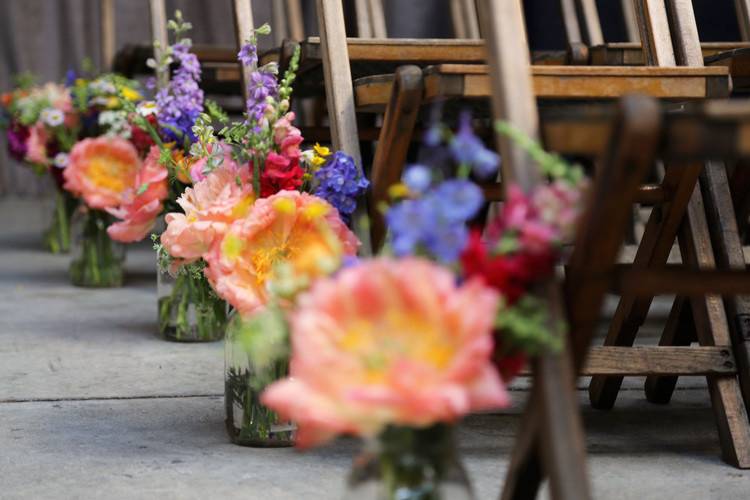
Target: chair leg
point(712, 328)
point(610, 199)
point(524, 475)
point(729, 255)
point(551, 439)
point(658, 238)
point(679, 331)
point(740, 186)
point(393, 143)
point(562, 445)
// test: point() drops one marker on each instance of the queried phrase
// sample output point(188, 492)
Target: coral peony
point(102, 171)
point(400, 344)
point(210, 206)
point(143, 201)
point(299, 229)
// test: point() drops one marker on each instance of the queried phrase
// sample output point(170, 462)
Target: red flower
point(509, 365)
point(510, 274)
point(140, 138)
point(280, 173)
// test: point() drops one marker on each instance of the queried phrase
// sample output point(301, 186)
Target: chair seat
point(447, 81)
point(631, 54)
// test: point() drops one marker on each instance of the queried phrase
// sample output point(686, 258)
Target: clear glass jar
point(405, 463)
point(248, 421)
point(97, 259)
point(57, 236)
point(189, 310)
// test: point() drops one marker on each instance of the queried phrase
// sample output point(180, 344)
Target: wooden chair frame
point(731, 415)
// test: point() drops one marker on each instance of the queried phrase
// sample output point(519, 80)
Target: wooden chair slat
point(243, 26)
point(159, 33)
point(108, 35)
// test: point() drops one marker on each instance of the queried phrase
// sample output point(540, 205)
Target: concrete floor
point(93, 405)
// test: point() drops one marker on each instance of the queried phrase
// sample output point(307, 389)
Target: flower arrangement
point(261, 222)
point(121, 188)
point(45, 123)
point(397, 348)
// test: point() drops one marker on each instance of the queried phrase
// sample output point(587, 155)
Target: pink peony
point(36, 145)
point(102, 171)
point(289, 227)
point(143, 201)
point(210, 207)
point(388, 342)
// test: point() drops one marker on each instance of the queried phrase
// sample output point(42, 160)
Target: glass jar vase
point(248, 421)
point(57, 236)
point(97, 259)
point(405, 463)
point(189, 310)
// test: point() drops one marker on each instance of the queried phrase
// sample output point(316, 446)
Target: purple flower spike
point(248, 55)
point(468, 149)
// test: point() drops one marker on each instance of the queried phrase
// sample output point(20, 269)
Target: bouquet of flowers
point(262, 220)
point(189, 311)
point(41, 125)
point(115, 174)
point(397, 348)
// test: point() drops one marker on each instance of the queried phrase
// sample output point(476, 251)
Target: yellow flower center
point(111, 173)
point(411, 336)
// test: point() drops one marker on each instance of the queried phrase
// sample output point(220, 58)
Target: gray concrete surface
point(93, 405)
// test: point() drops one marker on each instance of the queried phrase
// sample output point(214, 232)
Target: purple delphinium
point(248, 55)
point(340, 183)
point(262, 85)
point(468, 149)
point(436, 222)
point(70, 77)
point(180, 102)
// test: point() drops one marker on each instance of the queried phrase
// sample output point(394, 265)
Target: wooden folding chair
point(734, 55)
point(680, 143)
point(708, 313)
point(221, 70)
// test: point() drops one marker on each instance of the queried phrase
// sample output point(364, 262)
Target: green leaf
point(143, 188)
point(527, 327)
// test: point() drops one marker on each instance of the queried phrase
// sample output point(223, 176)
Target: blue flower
point(408, 222)
point(436, 222)
point(70, 77)
point(340, 183)
point(459, 200)
point(447, 241)
point(468, 149)
point(417, 178)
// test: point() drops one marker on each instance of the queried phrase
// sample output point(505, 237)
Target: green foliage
point(24, 80)
point(264, 336)
point(526, 327)
point(551, 164)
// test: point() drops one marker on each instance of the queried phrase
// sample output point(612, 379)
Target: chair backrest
point(465, 20)
point(158, 12)
point(107, 32)
point(340, 94)
point(370, 19)
point(287, 21)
